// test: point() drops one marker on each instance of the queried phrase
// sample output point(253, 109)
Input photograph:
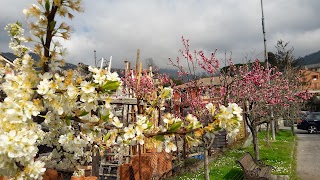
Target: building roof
point(209, 81)
point(6, 60)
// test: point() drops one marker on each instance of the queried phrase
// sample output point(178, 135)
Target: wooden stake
point(139, 74)
point(137, 61)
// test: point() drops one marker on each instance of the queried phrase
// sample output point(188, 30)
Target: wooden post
point(140, 173)
point(139, 74)
point(96, 158)
point(150, 71)
point(137, 61)
point(126, 73)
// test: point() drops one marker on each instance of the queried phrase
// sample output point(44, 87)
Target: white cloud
point(119, 28)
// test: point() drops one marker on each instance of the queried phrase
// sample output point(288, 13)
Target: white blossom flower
point(116, 122)
point(129, 132)
point(35, 169)
point(222, 108)
point(170, 146)
point(141, 124)
point(87, 87)
point(46, 76)
point(72, 91)
point(30, 110)
point(140, 139)
point(43, 87)
point(113, 76)
point(209, 106)
point(99, 77)
point(166, 93)
point(94, 70)
point(234, 108)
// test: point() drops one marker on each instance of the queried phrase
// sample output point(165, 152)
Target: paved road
point(308, 155)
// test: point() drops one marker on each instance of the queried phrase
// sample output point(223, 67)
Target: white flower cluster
point(19, 135)
point(227, 118)
point(67, 101)
point(17, 37)
point(70, 103)
point(166, 93)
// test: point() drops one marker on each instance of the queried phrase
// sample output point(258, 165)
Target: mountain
point(173, 73)
point(310, 59)
point(12, 57)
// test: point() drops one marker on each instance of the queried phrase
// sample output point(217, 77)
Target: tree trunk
point(49, 36)
point(184, 152)
point(206, 164)
point(255, 144)
point(268, 134)
point(292, 127)
point(254, 132)
point(208, 141)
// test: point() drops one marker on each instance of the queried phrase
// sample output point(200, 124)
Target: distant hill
point(313, 58)
point(173, 73)
point(12, 57)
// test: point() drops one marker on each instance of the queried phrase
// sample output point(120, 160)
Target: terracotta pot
point(77, 178)
point(6, 178)
point(87, 170)
point(44, 177)
point(91, 178)
point(52, 174)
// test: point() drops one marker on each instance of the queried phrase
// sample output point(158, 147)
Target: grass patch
point(280, 154)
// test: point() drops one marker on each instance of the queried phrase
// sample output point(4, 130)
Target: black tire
point(312, 129)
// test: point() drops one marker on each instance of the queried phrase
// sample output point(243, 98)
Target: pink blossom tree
point(260, 89)
point(191, 92)
point(256, 88)
point(188, 67)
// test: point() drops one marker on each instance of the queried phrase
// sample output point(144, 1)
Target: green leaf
point(106, 137)
point(159, 137)
point(68, 121)
point(110, 86)
point(174, 127)
point(84, 113)
point(47, 5)
point(19, 23)
point(106, 117)
point(190, 126)
point(150, 124)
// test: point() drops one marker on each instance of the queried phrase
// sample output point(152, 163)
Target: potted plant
point(50, 174)
point(78, 175)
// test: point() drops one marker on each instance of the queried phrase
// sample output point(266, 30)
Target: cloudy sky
point(119, 27)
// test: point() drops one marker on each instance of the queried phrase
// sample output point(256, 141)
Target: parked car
point(311, 123)
point(302, 116)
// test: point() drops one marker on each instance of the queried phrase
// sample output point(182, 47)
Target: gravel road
point(308, 155)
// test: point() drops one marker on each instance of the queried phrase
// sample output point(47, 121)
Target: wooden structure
point(220, 140)
point(253, 170)
point(107, 166)
point(135, 162)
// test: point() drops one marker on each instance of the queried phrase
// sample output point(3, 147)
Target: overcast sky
point(119, 27)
